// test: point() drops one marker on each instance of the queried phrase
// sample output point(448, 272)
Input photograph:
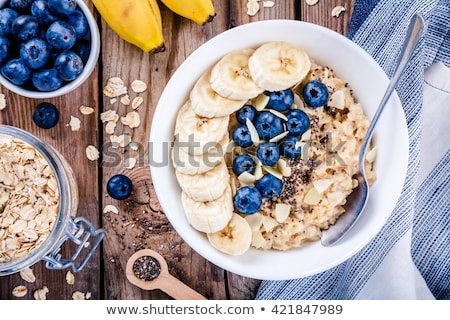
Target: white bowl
point(72, 85)
point(368, 81)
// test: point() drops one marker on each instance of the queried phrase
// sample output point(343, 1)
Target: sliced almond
point(313, 197)
point(253, 133)
point(306, 136)
point(247, 178)
point(269, 223)
point(337, 100)
point(322, 185)
point(279, 137)
point(284, 168)
point(372, 155)
point(254, 220)
point(278, 114)
point(258, 240)
point(110, 208)
point(311, 2)
point(258, 172)
point(261, 102)
point(282, 211)
point(273, 172)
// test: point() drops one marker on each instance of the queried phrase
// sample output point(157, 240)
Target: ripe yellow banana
point(199, 11)
point(136, 21)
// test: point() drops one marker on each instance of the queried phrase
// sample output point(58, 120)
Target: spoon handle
point(177, 289)
point(415, 30)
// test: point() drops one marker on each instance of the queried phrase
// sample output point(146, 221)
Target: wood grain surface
point(140, 222)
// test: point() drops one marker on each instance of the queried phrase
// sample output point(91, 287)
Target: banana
point(230, 77)
point(206, 102)
point(196, 134)
point(278, 65)
point(199, 11)
point(210, 216)
point(234, 239)
point(136, 21)
point(207, 186)
point(198, 164)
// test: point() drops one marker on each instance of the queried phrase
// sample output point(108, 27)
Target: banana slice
point(208, 103)
point(207, 186)
point(234, 239)
point(231, 78)
point(278, 65)
point(210, 216)
point(197, 134)
point(198, 164)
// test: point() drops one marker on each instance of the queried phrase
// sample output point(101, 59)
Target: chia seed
point(146, 268)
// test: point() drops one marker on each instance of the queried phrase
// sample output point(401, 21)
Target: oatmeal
point(29, 198)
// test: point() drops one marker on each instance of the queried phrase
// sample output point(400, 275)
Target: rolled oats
point(92, 153)
point(29, 200)
point(41, 294)
point(78, 295)
point(337, 11)
point(110, 127)
point(137, 102)
point(311, 2)
point(86, 110)
point(110, 208)
point(27, 275)
point(115, 87)
point(268, 4)
point(252, 7)
point(132, 119)
point(2, 101)
point(125, 100)
point(19, 291)
point(138, 86)
point(130, 163)
point(74, 123)
point(109, 115)
point(70, 278)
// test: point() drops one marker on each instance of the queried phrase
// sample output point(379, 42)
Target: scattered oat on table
point(115, 87)
point(129, 163)
point(70, 278)
point(268, 4)
point(252, 7)
point(19, 291)
point(92, 153)
point(86, 110)
point(311, 2)
point(2, 101)
point(27, 275)
point(125, 100)
point(337, 11)
point(132, 119)
point(41, 294)
point(137, 102)
point(74, 123)
point(78, 295)
point(138, 86)
point(110, 208)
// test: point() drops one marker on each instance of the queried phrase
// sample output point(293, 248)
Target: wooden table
point(140, 222)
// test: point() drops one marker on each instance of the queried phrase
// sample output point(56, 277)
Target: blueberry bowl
point(48, 48)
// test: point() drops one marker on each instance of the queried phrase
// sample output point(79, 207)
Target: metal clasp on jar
point(79, 231)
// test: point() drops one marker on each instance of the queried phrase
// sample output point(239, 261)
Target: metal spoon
point(357, 200)
point(164, 281)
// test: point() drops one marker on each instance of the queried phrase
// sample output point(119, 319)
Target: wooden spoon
point(164, 281)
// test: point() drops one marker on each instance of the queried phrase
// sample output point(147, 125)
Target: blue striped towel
point(418, 229)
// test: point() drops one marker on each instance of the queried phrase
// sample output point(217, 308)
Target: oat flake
point(92, 153)
point(2, 101)
point(74, 123)
point(337, 11)
point(19, 291)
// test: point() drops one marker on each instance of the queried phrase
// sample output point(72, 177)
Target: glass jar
point(67, 227)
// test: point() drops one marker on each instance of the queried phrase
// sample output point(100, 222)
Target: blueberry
point(315, 94)
point(82, 48)
point(68, 65)
point(16, 71)
point(40, 10)
point(243, 163)
point(78, 21)
point(62, 7)
point(269, 186)
point(298, 122)
point(247, 200)
point(281, 100)
point(5, 49)
point(268, 153)
point(25, 27)
point(246, 112)
point(268, 125)
point(46, 80)
point(34, 53)
point(61, 35)
point(290, 147)
point(241, 136)
point(7, 17)
point(119, 187)
point(20, 5)
point(46, 115)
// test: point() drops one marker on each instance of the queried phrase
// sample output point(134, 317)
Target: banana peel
point(136, 21)
point(199, 11)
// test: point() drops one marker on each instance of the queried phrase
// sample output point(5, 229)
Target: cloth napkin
point(410, 257)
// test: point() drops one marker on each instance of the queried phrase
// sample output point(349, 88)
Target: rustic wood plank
point(320, 14)
point(141, 222)
point(19, 114)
